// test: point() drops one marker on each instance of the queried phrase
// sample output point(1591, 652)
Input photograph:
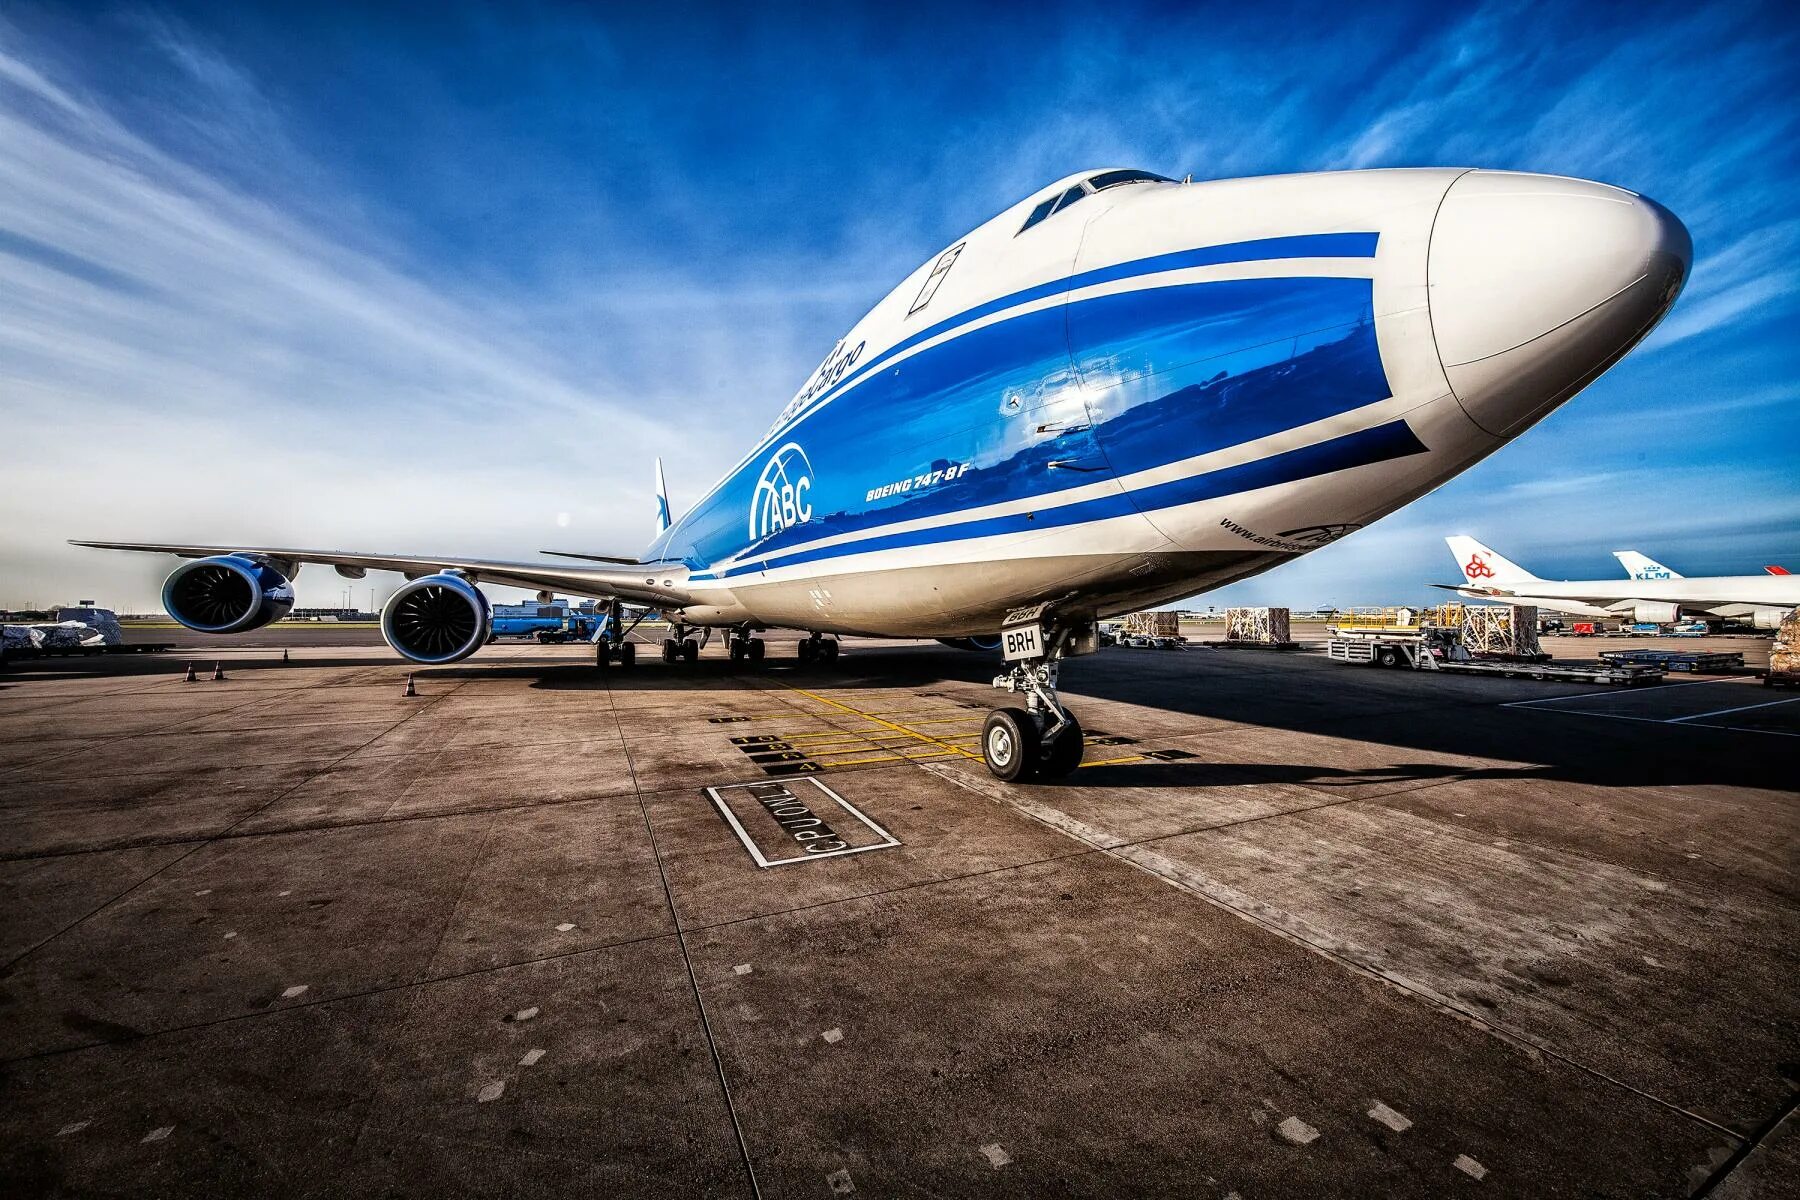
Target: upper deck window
point(1107, 179)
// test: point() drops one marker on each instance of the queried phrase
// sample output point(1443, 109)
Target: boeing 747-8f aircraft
point(1653, 595)
point(1119, 392)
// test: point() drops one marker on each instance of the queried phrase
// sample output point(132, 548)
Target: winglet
point(1773, 570)
point(1639, 567)
point(662, 500)
point(1482, 566)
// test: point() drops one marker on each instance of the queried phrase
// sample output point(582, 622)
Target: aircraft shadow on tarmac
point(1397, 709)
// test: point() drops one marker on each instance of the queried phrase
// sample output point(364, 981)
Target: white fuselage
point(1161, 388)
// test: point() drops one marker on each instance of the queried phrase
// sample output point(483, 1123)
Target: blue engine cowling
point(985, 644)
point(441, 618)
point(229, 593)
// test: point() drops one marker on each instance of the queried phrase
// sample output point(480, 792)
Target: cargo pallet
point(1713, 662)
point(1417, 655)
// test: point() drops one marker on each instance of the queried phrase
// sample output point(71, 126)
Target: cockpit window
point(1054, 204)
point(1097, 183)
point(1106, 179)
point(1039, 213)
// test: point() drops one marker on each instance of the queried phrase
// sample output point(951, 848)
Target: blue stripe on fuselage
point(1362, 448)
point(1309, 245)
point(1219, 363)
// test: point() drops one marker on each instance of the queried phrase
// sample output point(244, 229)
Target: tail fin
point(1639, 567)
point(662, 499)
point(1482, 566)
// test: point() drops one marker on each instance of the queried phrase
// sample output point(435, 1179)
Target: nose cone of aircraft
point(1539, 283)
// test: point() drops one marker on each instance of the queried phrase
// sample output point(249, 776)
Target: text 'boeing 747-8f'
point(1119, 392)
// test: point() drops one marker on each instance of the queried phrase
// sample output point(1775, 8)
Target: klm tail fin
point(662, 500)
point(1483, 567)
point(1639, 567)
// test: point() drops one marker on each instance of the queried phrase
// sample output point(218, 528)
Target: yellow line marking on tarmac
point(1107, 762)
point(857, 762)
point(897, 728)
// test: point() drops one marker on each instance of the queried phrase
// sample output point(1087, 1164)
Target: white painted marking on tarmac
point(1719, 712)
point(531, 1057)
point(839, 1183)
point(1295, 1130)
point(231, 934)
point(1390, 1118)
point(1666, 687)
point(743, 968)
point(299, 989)
point(565, 927)
point(286, 893)
point(204, 892)
point(157, 1134)
point(73, 1127)
point(834, 1036)
point(996, 1155)
point(525, 1014)
point(1581, 712)
point(491, 1092)
point(1469, 1167)
point(1651, 961)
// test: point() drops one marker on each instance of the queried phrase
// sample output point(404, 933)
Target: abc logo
point(783, 491)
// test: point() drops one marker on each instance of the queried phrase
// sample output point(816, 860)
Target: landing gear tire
point(1010, 746)
point(806, 651)
point(1063, 755)
point(690, 649)
point(829, 650)
point(669, 650)
point(627, 654)
point(757, 649)
point(739, 651)
point(602, 654)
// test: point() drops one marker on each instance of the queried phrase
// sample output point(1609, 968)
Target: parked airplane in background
point(1654, 594)
point(1121, 391)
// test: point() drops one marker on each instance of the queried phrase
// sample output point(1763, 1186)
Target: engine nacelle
point(1769, 618)
point(437, 619)
point(229, 593)
point(987, 644)
point(1646, 612)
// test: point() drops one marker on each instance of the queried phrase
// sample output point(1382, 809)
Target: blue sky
point(448, 283)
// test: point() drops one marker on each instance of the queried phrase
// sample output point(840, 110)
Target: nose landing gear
point(1042, 740)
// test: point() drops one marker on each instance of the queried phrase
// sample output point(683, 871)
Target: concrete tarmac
point(1297, 929)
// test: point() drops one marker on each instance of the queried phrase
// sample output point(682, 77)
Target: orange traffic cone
point(218, 671)
point(190, 677)
point(410, 689)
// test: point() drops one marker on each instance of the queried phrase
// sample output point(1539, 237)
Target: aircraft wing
point(643, 583)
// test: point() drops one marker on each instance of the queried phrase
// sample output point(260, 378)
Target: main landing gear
point(680, 647)
point(745, 648)
point(818, 648)
point(610, 645)
point(1043, 740)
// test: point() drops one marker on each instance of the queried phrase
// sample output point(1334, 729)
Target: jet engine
point(985, 644)
point(229, 593)
point(1769, 618)
point(1646, 612)
point(437, 619)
